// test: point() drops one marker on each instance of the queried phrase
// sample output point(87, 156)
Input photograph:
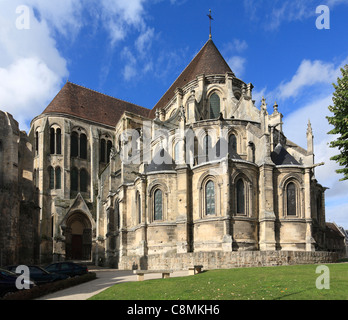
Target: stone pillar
point(143, 243)
point(183, 214)
point(308, 211)
point(123, 223)
point(266, 207)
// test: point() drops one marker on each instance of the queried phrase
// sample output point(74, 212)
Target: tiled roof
point(207, 61)
point(87, 104)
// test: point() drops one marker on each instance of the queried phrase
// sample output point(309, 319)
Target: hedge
point(48, 288)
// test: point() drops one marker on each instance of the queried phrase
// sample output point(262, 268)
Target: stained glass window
point(240, 197)
point(214, 106)
point(291, 199)
point(158, 205)
point(210, 198)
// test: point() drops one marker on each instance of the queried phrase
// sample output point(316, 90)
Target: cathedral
point(203, 177)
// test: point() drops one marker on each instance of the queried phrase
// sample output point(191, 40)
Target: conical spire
point(207, 61)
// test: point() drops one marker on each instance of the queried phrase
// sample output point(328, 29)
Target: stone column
point(183, 214)
point(143, 244)
point(308, 211)
point(266, 207)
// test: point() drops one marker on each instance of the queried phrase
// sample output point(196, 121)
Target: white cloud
point(32, 70)
point(309, 73)
point(144, 41)
point(122, 16)
point(237, 64)
point(31, 67)
point(232, 51)
point(295, 125)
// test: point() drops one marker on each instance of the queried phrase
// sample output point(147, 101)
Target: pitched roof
point(207, 61)
point(281, 157)
point(87, 104)
point(162, 161)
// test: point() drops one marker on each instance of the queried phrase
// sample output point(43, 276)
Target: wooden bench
point(195, 269)
point(141, 273)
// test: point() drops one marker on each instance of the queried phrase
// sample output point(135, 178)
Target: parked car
point(71, 269)
point(40, 275)
point(8, 282)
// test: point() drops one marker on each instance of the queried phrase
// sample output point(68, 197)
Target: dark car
point(71, 269)
point(8, 282)
point(40, 275)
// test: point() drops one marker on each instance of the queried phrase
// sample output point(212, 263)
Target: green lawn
point(267, 283)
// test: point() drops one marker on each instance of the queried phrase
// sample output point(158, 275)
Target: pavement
point(105, 279)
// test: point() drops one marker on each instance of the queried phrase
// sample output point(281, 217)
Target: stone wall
point(225, 260)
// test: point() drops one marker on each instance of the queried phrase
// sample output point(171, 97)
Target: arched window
point(58, 141)
point(83, 146)
point(74, 144)
point(51, 177)
point(74, 176)
point(214, 106)
point(240, 197)
point(210, 198)
point(52, 141)
point(83, 180)
point(232, 144)
point(291, 199)
point(58, 178)
point(158, 205)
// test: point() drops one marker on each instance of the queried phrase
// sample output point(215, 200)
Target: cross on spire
point(210, 18)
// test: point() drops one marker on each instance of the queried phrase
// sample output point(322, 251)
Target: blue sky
point(134, 50)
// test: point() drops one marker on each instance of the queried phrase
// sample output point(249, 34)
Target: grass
point(263, 283)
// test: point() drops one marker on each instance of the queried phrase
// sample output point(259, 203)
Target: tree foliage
point(340, 122)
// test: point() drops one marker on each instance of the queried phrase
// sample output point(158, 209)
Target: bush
point(48, 288)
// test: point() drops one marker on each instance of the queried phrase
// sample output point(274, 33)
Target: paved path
point(105, 279)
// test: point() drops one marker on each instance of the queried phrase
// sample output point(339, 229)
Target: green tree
point(340, 122)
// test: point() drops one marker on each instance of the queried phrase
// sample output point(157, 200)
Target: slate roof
point(281, 157)
point(87, 104)
point(162, 161)
point(207, 61)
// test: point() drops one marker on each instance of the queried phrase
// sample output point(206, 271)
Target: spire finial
point(210, 18)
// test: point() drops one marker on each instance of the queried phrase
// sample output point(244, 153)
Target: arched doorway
point(78, 237)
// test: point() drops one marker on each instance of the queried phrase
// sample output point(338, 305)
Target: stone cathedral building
point(203, 177)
